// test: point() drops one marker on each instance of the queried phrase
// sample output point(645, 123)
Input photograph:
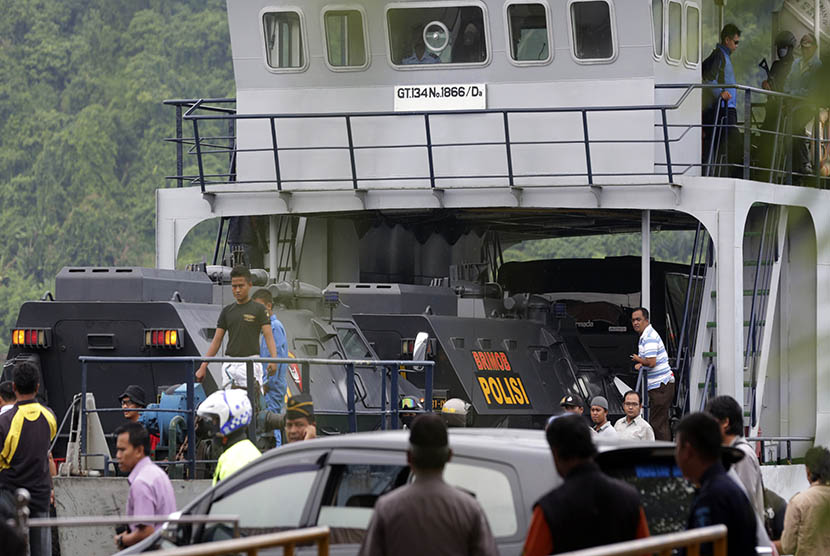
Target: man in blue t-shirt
point(717, 70)
point(275, 385)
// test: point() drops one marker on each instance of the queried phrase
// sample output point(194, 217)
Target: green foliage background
point(81, 128)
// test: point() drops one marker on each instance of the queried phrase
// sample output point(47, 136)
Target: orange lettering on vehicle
point(477, 359)
point(508, 395)
point(514, 386)
point(495, 389)
point(485, 389)
point(522, 386)
point(504, 361)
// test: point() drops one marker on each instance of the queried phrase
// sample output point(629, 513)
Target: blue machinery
point(189, 413)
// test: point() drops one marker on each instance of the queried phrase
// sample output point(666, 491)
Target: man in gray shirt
point(428, 516)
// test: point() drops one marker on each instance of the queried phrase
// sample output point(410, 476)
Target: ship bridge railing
point(389, 408)
point(759, 144)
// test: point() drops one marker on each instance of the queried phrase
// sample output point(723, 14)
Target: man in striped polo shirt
point(652, 357)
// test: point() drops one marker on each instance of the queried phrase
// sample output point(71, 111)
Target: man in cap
point(589, 508)
point(428, 516)
point(599, 415)
point(571, 405)
point(633, 426)
point(454, 412)
point(133, 397)
point(299, 419)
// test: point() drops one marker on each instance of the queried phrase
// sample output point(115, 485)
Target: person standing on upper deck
point(244, 321)
point(717, 70)
point(654, 361)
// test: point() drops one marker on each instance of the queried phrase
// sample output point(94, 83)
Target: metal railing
point(692, 304)
point(223, 112)
point(788, 440)
point(390, 367)
point(251, 545)
point(709, 387)
point(664, 544)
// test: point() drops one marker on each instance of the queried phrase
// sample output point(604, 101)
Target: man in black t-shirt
point(244, 321)
point(26, 432)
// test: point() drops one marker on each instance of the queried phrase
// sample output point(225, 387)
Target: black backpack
point(713, 66)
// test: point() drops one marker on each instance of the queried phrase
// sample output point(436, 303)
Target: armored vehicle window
point(593, 35)
point(445, 35)
point(692, 34)
point(657, 26)
point(675, 30)
point(283, 40)
point(345, 38)
point(527, 25)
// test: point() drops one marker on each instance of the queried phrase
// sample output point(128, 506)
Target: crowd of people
point(428, 515)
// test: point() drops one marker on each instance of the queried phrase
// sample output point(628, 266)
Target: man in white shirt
point(654, 360)
point(633, 426)
point(599, 415)
point(729, 414)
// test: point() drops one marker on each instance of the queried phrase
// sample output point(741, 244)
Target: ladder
point(289, 240)
point(763, 236)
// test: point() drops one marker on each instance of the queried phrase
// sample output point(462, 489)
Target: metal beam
point(273, 247)
point(645, 256)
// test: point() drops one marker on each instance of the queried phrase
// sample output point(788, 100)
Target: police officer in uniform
point(230, 412)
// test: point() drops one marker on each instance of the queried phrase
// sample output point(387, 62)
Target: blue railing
point(391, 367)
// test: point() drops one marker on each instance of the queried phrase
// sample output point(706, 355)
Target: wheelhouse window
point(692, 34)
point(437, 35)
point(593, 31)
point(283, 40)
point(527, 25)
point(345, 39)
point(657, 26)
point(675, 31)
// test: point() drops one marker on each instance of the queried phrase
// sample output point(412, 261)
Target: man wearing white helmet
point(231, 412)
point(454, 411)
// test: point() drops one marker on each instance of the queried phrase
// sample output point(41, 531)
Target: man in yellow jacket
point(231, 412)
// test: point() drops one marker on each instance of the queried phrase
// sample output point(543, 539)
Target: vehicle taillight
point(172, 338)
point(32, 337)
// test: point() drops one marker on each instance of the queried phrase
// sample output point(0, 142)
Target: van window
point(657, 26)
point(593, 35)
point(350, 496)
point(675, 30)
point(491, 489)
point(445, 35)
point(345, 38)
point(528, 28)
point(283, 40)
point(248, 503)
point(692, 34)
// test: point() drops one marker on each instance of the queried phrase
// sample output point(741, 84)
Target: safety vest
point(235, 458)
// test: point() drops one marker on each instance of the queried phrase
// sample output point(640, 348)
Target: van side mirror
point(419, 352)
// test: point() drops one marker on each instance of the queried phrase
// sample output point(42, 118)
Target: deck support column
point(273, 247)
point(730, 317)
point(645, 258)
